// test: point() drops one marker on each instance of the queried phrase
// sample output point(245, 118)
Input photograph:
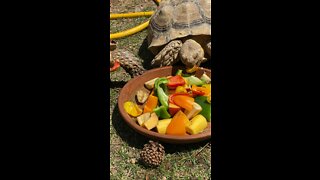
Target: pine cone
point(152, 154)
point(129, 62)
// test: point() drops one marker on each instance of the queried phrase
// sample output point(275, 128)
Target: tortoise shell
point(176, 19)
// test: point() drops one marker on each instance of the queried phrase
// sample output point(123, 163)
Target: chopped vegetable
point(143, 117)
point(207, 86)
point(179, 72)
point(132, 109)
point(181, 96)
point(193, 69)
point(205, 78)
point(201, 91)
point(177, 124)
point(209, 98)
point(198, 124)
point(186, 80)
point(162, 96)
point(192, 80)
point(181, 89)
point(186, 120)
point(173, 95)
point(185, 102)
point(151, 103)
point(175, 81)
point(162, 112)
point(162, 125)
point(206, 107)
point(150, 84)
point(152, 92)
point(195, 110)
point(151, 122)
point(196, 91)
point(142, 96)
point(185, 75)
point(116, 65)
point(173, 109)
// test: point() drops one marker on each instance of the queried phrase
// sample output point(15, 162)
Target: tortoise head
point(192, 53)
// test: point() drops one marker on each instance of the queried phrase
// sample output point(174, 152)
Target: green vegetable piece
point(192, 80)
point(162, 112)
point(161, 91)
point(185, 75)
point(205, 78)
point(206, 107)
point(179, 72)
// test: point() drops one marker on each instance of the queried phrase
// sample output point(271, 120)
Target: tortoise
point(180, 29)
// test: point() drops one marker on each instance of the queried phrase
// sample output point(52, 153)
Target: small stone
point(133, 161)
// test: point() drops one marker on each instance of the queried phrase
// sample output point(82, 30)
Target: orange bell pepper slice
point(175, 94)
point(201, 91)
point(183, 101)
point(178, 124)
point(151, 103)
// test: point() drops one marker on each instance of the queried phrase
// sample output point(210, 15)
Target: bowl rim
point(151, 134)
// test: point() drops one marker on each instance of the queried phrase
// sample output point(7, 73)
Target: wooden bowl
point(128, 93)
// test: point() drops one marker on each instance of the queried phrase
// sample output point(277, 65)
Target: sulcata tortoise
point(180, 29)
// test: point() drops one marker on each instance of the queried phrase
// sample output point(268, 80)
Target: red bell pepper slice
point(115, 66)
point(175, 81)
point(198, 93)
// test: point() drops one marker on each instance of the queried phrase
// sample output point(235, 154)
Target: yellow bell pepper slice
point(132, 109)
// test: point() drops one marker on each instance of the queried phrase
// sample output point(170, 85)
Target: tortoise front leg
point(168, 55)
